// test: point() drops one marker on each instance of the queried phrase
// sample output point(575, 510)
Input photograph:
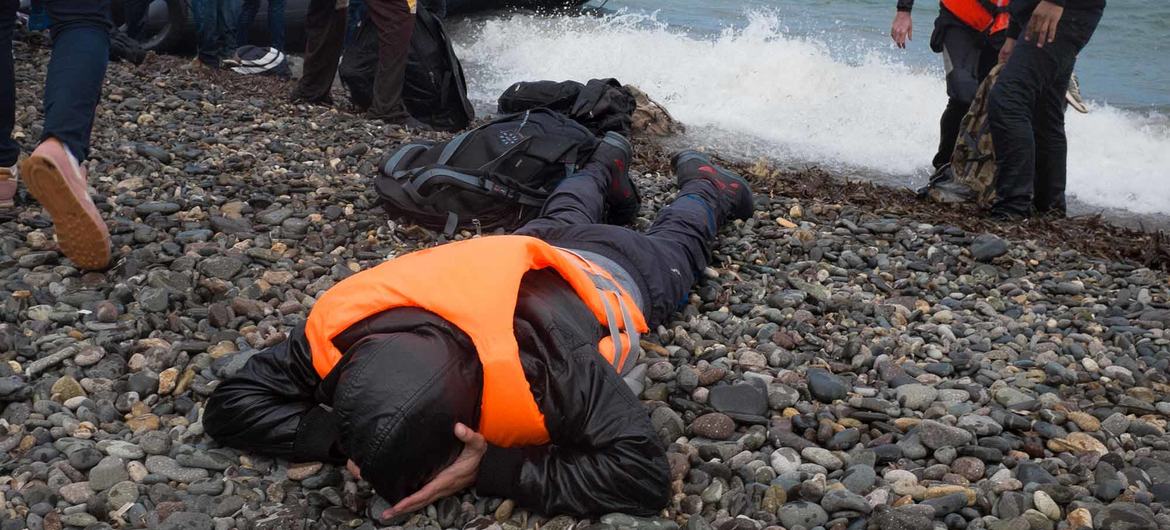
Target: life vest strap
point(625, 352)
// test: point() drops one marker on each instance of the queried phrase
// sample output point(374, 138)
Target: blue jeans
point(81, 49)
point(357, 9)
point(248, 12)
point(215, 27)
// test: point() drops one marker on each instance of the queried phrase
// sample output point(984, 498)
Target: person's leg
point(395, 22)
point(135, 13)
point(9, 149)
point(577, 200)
point(1051, 147)
point(324, 36)
point(276, 23)
point(73, 86)
point(229, 16)
point(53, 174)
point(666, 261)
point(1010, 110)
point(961, 52)
point(203, 14)
point(248, 11)
point(1075, 29)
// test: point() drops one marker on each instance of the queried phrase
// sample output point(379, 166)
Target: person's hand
point(452, 479)
point(1006, 51)
point(353, 469)
point(903, 29)
point(1042, 26)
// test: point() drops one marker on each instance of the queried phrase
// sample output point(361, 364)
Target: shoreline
point(851, 353)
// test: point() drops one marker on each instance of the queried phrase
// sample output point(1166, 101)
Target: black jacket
point(1021, 11)
point(604, 455)
point(907, 5)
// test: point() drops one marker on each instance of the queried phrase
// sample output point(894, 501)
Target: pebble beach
point(852, 359)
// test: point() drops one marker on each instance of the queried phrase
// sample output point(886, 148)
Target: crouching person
point(495, 362)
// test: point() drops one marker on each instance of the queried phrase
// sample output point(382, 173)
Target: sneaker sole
point(81, 233)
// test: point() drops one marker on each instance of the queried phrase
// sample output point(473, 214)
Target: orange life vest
point(474, 285)
point(975, 14)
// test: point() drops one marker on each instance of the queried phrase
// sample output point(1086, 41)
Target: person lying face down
point(495, 362)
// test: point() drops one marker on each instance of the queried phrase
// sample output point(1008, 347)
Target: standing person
point(73, 85)
point(248, 11)
point(1026, 109)
point(509, 376)
point(325, 26)
point(215, 29)
point(969, 34)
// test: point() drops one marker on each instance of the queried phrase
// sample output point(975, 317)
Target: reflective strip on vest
point(974, 14)
point(474, 285)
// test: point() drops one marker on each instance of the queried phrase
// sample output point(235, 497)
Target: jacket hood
point(399, 396)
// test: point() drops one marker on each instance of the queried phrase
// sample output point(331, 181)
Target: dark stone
point(987, 247)
point(844, 440)
point(887, 453)
point(947, 504)
point(1126, 516)
point(739, 399)
point(187, 521)
point(1031, 472)
point(85, 458)
point(826, 387)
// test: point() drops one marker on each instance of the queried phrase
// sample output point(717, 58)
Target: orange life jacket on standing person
point(474, 285)
point(976, 14)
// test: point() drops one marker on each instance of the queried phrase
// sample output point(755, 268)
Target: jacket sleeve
point(604, 456)
point(906, 5)
point(269, 407)
point(1021, 11)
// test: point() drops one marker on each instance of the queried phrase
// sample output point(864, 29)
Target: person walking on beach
point(53, 172)
point(1026, 107)
point(969, 34)
point(496, 361)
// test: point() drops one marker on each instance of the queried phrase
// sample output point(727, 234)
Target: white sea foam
point(756, 91)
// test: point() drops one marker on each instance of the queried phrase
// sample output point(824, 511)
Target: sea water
point(818, 82)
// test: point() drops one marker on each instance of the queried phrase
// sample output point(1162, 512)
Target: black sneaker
point(621, 199)
point(735, 194)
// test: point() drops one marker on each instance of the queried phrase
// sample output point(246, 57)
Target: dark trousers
point(1026, 117)
point(969, 56)
point(395, 22)
point(215, 28)
point(664, 262)
point(134, 11)
point(248, 11)
point(324, 37)
point(81, 49)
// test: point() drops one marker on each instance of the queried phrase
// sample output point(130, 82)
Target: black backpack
point(601, 105)
point(497, 175)
point(434, 92)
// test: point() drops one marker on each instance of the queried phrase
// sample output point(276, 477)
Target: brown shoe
point(59, 183)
